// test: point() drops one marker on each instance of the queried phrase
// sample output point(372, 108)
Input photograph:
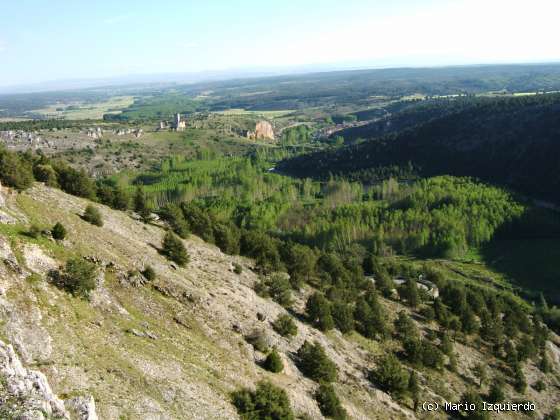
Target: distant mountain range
point(137, 80)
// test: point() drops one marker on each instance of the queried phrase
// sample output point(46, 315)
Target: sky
point(50, 40)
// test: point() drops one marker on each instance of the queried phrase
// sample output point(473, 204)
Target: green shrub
point(58, 232)
point(285, 326)
point(237, 268)
point(273, 362)
point(149, 273)
point(539, 386)
point(496, 393)
point(267, 402)
point(79, 277)
point(93, 216)
point(258, 340)
point(277, 287)
point(315, 364)
point(174, 249)
point(328, 401)
point(34, 231)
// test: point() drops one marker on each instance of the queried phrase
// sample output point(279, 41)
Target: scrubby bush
point(285, 326)
point(328, 402)
point(539, 386)
point(237, 268)
point(315, 364)
point(496, 393)
point(149, 273)
point(277, 287)
point(93, 216)
point(258, 340)
point(174, 249)
point(34, 231)
point(58, 232)
point(273, 362)
point(267, 402)
point(79, 277)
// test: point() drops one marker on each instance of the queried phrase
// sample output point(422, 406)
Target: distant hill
point(513, 141)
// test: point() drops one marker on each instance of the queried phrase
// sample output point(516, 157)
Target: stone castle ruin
point(178, 124)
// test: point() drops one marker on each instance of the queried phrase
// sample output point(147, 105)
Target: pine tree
point(414, 390)
point(519, 381)
point(174, 249)
point(273, 362)
point(481, 373)
point(58, 232)
point(496, 393)
point(315, 364)
point(390, 375)
point(328, 402)
point(141, 204)
point(318, 310)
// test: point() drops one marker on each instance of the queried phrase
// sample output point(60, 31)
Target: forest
point(513, 142)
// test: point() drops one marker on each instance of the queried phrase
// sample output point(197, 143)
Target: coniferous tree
point(174, 249)
point(343, 316)
point(519, 381)
point(318, 310)
point(315, 364)
point(414, 390)
point(496, 393)
point(285, 326)
point(273, 362)
point(58, 232)
point(481, 373)
point(328, 402)
point(390, 375)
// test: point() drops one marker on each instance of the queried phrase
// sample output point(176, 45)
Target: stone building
point(179, 124)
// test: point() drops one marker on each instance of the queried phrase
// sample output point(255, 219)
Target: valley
point(223, 263)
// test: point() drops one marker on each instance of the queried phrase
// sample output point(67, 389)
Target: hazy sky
point(66, 39)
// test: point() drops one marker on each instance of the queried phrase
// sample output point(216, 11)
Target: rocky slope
point(173, 349)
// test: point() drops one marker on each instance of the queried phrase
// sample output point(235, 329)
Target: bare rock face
point(263, 131)
point(26, 393)
point(82, 408)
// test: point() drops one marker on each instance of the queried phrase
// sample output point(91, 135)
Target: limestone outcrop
point(263, 131)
